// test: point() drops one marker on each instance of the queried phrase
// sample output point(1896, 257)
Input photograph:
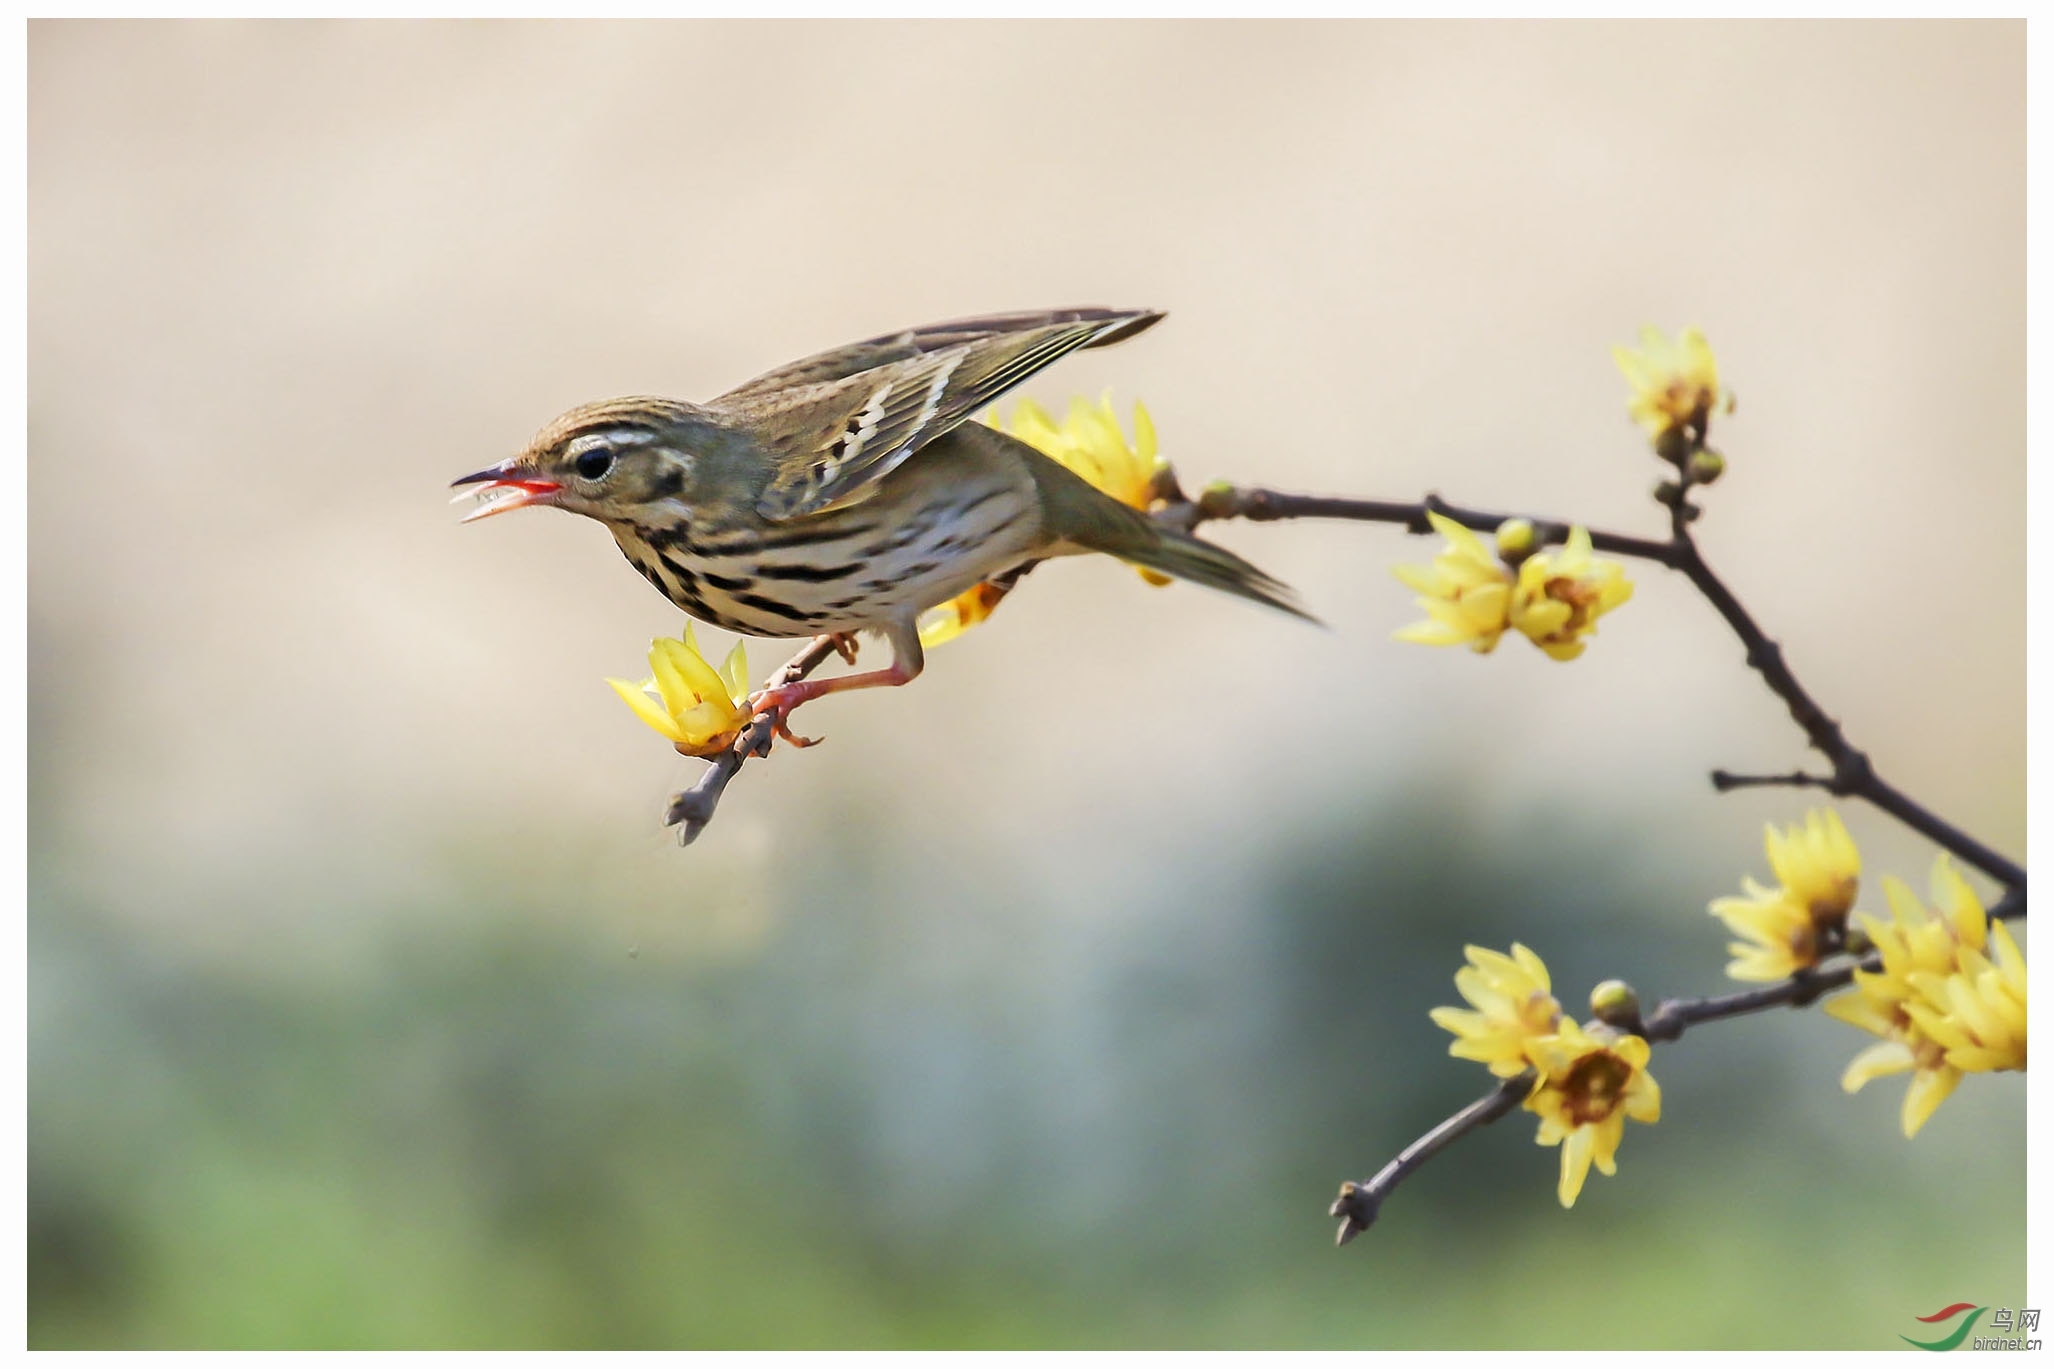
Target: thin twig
point(1357, 1206)
point(1359, 1203)
point(691, 810)
point(1852, 771)
point(1725, 781)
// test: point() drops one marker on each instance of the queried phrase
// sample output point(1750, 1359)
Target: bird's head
point(620, 461)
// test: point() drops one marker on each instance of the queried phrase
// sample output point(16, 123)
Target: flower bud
point(1216, 500)
point(1705, 467)
point(1515, 540)
point(1673, 446)
point(1616, 1004)
point(1668, 492)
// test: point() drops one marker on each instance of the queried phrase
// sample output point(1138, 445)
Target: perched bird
point(846, 492)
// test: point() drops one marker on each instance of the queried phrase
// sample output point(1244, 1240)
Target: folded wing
point(839, 421)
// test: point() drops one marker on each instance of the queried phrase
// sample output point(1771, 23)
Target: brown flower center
point(1595, 1085)
point(1804, 943)
point(1834, 905)
point(1686, 401)
point(1579, 595)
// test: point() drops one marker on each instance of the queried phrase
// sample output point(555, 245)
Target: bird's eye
point(595, 462)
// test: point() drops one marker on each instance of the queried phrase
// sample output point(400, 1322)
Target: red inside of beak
point(526, 492)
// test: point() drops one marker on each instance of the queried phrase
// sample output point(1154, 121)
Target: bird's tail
point(1086, 516)
point(1205, 563)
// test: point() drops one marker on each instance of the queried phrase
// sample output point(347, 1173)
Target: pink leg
point(780, 700)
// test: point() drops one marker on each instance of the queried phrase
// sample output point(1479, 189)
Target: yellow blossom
point(948, 621)
point(1942, 1006)
point(1090, 443)
point(1977, 1014)
point(1589, 1084)
point(1675, 382)
point(1795, 924)
point(1562, 592)
point(698, 708)
point(1466, 592)
point(1510, 1008)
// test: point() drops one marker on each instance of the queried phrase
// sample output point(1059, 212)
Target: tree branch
point(1359, 1203)
point(1853, 773)
point(691, 810)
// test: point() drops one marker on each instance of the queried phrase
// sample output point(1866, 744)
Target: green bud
point(1616, 1004)
point(1705, 467)
point(1515, 540)
point(1668, 492)
point(1673, 445)
point(1217, 498)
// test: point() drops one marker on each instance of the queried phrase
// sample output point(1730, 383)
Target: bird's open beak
point(498, 492)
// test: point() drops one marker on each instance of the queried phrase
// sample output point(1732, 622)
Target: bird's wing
point(837, 422)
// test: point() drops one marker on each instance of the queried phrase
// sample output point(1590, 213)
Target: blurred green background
point(1048, 1003)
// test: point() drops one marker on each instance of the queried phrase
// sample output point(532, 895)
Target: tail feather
point(1077, 512)
point(1206, 563)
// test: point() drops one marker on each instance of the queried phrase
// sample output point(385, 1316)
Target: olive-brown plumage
point(845, 492)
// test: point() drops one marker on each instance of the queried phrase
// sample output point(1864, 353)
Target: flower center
point(1594, 1086)
point(1834, 904)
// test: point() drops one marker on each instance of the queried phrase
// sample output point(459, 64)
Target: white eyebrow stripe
point(615, 437)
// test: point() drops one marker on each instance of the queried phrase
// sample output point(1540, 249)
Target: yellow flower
point(951, 620)
point(1090, 443)
point(1589, 1085)
point(1510, 1008)
point(698, 708)
point(1977, 1014)
point(1466, 592)
point(1675, 383)
point(1941, 1005)
point(1562, 592)
point(1803, 918)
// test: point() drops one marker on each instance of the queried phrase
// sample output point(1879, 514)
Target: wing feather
point(838, 422)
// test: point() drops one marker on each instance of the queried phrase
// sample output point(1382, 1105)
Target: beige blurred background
point(286, 280)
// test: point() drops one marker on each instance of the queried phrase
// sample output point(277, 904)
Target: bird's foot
point(778, 701)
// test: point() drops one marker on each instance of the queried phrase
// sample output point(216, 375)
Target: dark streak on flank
point(778, 541)
point(979, 502)
point(687, 577)
point(818, 575)
point(776, 610)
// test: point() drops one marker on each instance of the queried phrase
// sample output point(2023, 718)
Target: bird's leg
point(780, 700)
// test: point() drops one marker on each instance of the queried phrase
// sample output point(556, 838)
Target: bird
point(848, 492)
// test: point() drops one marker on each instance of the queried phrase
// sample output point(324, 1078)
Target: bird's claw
point(777, 702)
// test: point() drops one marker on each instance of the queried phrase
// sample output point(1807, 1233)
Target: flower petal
point(646, 709)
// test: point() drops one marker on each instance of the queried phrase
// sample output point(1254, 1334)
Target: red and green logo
point(1958, 1334)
